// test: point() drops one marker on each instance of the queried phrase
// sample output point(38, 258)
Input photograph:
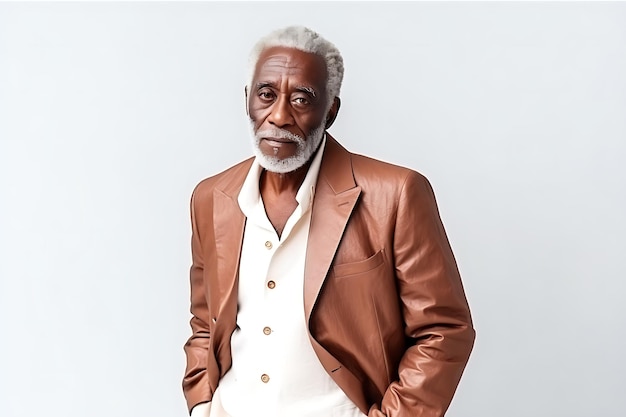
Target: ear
point(245, 93)
point(332, 113)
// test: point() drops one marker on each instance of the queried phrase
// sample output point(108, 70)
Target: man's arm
point(438, 324)
point(196, 383)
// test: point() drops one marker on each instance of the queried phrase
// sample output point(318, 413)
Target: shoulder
point(231, 178)
point(371, 173)
point(368, 173)
point(388, 188)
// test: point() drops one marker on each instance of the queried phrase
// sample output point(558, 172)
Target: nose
point(280, 115)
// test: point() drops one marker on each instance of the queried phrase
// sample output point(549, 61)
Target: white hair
point(307, 40)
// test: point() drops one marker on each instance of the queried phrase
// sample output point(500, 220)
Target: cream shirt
point(275, 371)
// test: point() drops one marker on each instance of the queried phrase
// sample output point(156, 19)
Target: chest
point(278, 209)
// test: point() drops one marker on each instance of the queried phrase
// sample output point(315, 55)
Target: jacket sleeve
point(196, 381)
point(437, 321)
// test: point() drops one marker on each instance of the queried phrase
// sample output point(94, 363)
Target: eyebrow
point(265, 84)
point(308, 90)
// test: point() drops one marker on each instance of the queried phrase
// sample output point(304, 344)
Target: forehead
point(279, 62)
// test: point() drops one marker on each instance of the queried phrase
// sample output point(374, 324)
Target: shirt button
point(265, 378)
point(271, 285)
point(267, 330)
point(268, 244)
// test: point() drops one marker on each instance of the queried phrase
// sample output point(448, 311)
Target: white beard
point(305, 148)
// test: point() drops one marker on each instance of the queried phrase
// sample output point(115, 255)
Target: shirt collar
point(250, 196)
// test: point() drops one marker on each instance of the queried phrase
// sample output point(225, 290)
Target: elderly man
point(322, 283)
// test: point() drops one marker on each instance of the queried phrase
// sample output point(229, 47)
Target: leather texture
point(384, 302)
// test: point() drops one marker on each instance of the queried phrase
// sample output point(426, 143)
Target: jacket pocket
point(359, 267)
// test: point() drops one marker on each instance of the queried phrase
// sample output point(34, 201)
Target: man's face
point(287, 106)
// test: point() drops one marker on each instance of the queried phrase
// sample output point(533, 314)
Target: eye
point(266, 95)
point(301, 101)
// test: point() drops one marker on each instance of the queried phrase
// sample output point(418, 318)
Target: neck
point(288, 182)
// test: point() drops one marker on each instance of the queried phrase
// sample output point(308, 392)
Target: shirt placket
point(267, 372)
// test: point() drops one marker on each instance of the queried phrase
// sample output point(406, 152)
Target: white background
point(111, 113)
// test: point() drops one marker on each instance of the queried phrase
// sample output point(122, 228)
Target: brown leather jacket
point(383, 299)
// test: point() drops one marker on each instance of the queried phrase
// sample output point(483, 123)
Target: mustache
point(277, 132)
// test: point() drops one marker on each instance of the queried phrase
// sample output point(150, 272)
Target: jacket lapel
point(229, 223)
point(336, 194)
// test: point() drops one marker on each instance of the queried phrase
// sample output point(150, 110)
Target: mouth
point(277, 141)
